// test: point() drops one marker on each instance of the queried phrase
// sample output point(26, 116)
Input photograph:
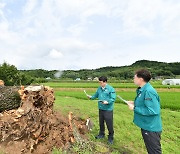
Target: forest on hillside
point(12, 76)
point(158, 69)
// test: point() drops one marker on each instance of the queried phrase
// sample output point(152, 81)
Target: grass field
point(70, 97)
point(169, 99)
point(92, 84)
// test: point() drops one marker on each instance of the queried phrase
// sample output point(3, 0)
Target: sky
point(88, 34)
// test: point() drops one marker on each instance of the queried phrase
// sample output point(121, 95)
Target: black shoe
point(99, 137)
point(110, 141)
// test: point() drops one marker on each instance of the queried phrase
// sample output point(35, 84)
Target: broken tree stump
point(32, 120)
point(34, 127)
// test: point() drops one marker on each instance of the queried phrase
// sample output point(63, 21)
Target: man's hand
point(89, 96)
point(105, 102)
point(131, 105)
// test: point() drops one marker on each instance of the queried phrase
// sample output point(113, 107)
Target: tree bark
point(9, 98)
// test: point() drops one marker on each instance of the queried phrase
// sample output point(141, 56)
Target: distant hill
point(158, 69)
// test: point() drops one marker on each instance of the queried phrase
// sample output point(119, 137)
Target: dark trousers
point(152, 141)
point(106, 116)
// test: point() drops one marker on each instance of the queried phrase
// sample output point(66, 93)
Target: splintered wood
point(1, 83)
point(34, 127)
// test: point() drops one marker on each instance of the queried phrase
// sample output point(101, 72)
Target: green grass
point(169, 100)
point(127, 135)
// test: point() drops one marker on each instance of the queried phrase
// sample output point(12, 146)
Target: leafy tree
point(25, 79)
point(9, 74)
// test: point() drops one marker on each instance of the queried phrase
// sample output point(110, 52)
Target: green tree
point(24, 79)
point(9, 74)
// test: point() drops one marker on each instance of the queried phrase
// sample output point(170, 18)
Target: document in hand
point(125, 101)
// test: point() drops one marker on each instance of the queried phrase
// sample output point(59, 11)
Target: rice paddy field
point(70, 97)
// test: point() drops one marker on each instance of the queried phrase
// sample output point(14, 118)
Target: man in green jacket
point(106, 97)
point(147, 116)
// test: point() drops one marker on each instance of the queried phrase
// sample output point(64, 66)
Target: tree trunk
point(9, 98)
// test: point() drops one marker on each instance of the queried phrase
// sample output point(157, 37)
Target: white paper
point(125, 101)
point(86, 94)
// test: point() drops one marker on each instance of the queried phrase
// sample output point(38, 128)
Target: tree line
point(157, 69)
point(12, 76)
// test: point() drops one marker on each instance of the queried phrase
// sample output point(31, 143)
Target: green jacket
point(107, 94)
point(147, 109)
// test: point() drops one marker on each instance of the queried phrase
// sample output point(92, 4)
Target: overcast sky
point(76, 34)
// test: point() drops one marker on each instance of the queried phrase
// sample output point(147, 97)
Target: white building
point(96, 79)
point(77, 79)
point(89, 79)
point(171, 82)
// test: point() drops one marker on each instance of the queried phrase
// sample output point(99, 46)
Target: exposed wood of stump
point(34, 127)
point(31, 119)
point(1, 83)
